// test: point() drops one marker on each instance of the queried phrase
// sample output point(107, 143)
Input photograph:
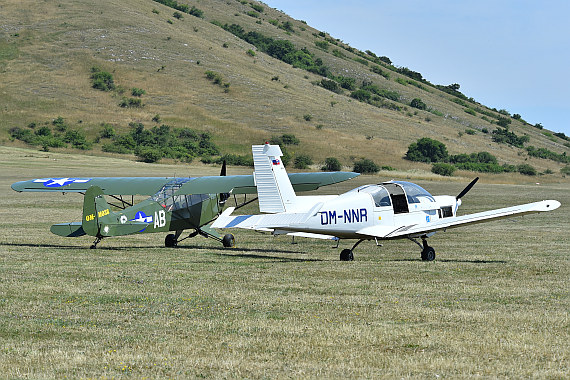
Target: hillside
point(48, 50)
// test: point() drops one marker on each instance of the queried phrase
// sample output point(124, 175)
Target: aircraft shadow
point(458, 261)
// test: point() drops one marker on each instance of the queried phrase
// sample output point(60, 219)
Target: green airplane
point(175, 204)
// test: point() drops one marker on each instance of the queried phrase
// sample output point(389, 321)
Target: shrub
point(442, 168)
point(251, 53)
point(330, 85)
point(77, 140)
point(322, 45)
point(332, 164)
point(130, 103)
point(178, 15)
point(366, 166)
point(107, 131)
point(308, 117)
point(427, 150)
point(504, 136)
point(526, 169)
point(565, 170)
point(196, 12)
point(302, 161)
point(285, 139)
point(346, 82)
point(102, 80)
point(418, 103)
point(149, 155)
point(361, 95)
point(257, 7)
point(470, 111)
point(137, 92)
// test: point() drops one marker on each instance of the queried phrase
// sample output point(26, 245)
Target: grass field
point(494, 304)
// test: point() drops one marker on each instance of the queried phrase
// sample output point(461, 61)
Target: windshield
point(415, 193)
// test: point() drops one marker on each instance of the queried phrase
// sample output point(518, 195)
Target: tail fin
point(96, 211)
point(274, 188)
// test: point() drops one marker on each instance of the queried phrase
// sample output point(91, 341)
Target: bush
point(130, 103)
point(418, 103)
point(137, 92)
point(285, 139)
point(526, 169)
point(330, 85)
point(366, 166)
point(149, 155)
point(361, 95)
point(565, 170)
point(302, 161)
point(442, 168)
point(102, 80)
point(427, 150)
point(332, 164)
point(504, 136)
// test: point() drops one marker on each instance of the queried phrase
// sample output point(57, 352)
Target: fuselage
point(387, 205)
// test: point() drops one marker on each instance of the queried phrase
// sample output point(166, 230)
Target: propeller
point(467, 188)
point(223, 196)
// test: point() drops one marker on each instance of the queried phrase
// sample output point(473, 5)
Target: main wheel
point(170, 241)
point(229, 241)
point(428, 254)
point(346, 255)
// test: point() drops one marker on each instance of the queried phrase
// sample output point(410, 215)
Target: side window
point(381, 197)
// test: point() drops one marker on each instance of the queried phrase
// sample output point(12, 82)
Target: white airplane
point(390, 210)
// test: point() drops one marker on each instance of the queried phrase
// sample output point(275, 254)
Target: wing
point(238, 184)
point(109, 185)
point(443, 224)
point(245, 184)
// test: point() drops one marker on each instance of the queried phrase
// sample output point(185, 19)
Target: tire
point(428, 254)
point(170, 241)
point(346, 255)
point(229, 241)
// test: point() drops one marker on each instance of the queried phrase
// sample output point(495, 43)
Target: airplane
point(385, 211)
point(174, 204)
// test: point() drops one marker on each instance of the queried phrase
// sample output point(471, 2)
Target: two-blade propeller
point(223, 196)
point(463, 192)
point(467, 188)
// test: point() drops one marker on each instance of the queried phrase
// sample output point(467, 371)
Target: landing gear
point(229, 241)
point(428, 253)
point(347, 255)
point(170, 241)
point(97, 240)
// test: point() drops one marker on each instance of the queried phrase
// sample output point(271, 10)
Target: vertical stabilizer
point(274, 188)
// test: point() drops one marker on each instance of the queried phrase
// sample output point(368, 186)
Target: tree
point(366, 166)
point(427, 150)
point(332, 164)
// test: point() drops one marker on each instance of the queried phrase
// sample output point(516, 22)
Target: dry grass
point(44, 72)
point(494, 303)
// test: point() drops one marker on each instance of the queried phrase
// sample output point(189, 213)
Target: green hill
point(240, 71)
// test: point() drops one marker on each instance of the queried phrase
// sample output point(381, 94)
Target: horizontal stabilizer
point(73, 229)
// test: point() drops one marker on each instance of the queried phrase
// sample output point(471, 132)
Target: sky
point(506, 54)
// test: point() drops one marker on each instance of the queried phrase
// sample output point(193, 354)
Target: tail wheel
point(229, 241)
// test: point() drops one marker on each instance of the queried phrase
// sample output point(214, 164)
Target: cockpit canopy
point(388, 192)
point(414, 193)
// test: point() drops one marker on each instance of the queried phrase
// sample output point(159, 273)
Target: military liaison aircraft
point(175, 204)
point(390, 210)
